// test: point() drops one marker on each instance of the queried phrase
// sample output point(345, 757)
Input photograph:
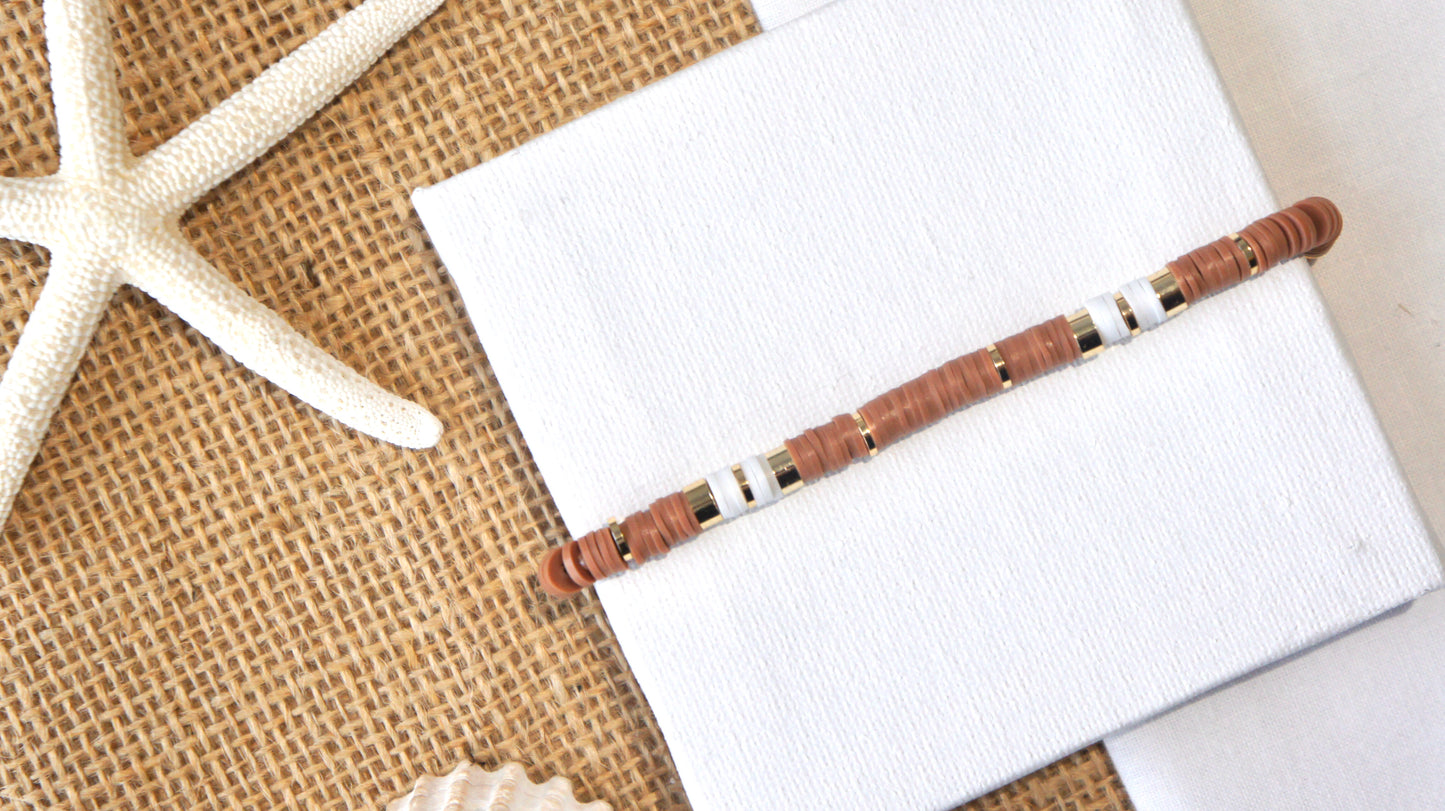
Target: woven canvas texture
point(212, 596)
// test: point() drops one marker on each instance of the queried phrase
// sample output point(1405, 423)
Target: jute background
point(212, 596)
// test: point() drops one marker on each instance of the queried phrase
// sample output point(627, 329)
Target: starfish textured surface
point(110, 218)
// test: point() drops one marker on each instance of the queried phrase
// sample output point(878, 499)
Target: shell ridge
point(469, 787)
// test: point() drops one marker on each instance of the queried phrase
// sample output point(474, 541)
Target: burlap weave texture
point(212, 596)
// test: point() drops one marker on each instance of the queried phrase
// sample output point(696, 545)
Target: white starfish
point(110, 218)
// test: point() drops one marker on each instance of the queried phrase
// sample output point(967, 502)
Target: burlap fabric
point(212, 596)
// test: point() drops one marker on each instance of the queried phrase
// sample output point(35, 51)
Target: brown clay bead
point(885, 417)
point(1307, 228)
point(829, 447)
point(1233, 254)
point(576, 569)
point(643, 536)
point(978, 378)
point(1229, 271)
point(939, 392)
point(675, 519)
point(649, 533)
point(1039, 349)
point(807, 454)
point(554, 577)
point(587, 554)
point(600, 553)
point(1270, 242)
point(1328, 223)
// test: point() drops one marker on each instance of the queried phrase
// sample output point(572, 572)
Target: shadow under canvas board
point(778, 234)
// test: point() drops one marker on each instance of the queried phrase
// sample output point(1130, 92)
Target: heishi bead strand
point(1308, 228)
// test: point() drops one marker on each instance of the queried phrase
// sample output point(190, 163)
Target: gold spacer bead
point(865, 432)
point(1086, 335)
point(1127, 311)
point(999, 366)
point(742, 479)
point(1170, 294)
point(1248, 251)
point(704, 506)
point(785, 470)
point(619, 540)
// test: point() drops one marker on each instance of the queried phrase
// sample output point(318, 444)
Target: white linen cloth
point(773, 237)
point(1348, 100)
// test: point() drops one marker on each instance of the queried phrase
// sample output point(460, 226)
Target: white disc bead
point(727, 493)
point(1107, 319)
point(760, 478)
point(1147, 309)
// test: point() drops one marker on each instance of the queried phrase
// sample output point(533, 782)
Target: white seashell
point(469, 787)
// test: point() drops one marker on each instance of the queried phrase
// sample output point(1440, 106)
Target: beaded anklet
point(1308, 228)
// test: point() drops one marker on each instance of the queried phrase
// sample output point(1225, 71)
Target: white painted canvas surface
point(1347, 100)
point(774, 13)
point(778, 234)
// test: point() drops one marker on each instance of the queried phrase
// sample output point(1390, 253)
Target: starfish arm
point(29, 209)
point(254, 118)
point(82, 80)
point(44, 361)
point(169, 269)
